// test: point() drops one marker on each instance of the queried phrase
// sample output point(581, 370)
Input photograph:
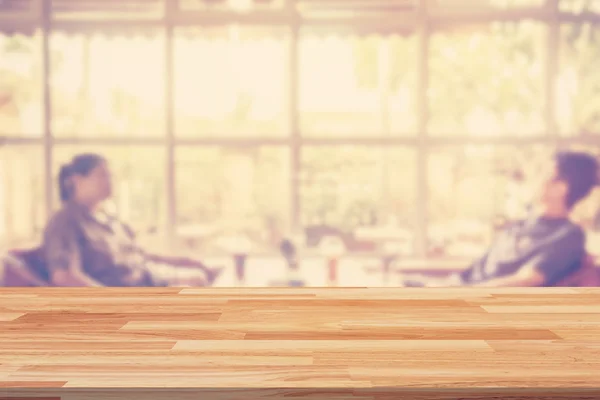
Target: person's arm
point(63, 257)
point(179, 262)
point(525, 277)
point(184, 262)
point(551, 263)
point(454, 279)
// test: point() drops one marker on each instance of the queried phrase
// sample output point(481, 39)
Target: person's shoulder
point(574, 229)
point(61, 219)
point(572, 233)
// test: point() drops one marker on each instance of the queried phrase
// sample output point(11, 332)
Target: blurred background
point(351, 126)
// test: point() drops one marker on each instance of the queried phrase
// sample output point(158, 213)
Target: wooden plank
point(331, 343)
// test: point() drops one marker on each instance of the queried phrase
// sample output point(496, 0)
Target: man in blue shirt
point(542, 249)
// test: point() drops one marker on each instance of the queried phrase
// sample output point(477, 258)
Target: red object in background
point(4, 99)
point(332, 269)
point(363, 246)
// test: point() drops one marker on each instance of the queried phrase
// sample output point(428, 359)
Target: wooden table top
point(300, 338)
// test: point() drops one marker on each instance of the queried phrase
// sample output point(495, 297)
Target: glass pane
point(357, 85)
point(138, 182)
point(22, 204)
point(401, 59)
point(365, 196)
point(20, 85)
point(231, 5)
point(474, 189)
point(470, 6)
point(97, 9)
point(231, 81)
point(232, 192)
point(487, 80)
point(107, 86)
point(578, 83)
point(352, 9)
point(580, 6)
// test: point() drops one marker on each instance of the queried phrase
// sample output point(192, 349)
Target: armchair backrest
point(25, 268)
point(35, 260)
point(587, 275)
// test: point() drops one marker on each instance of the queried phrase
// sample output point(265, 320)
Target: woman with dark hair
point(85, 247)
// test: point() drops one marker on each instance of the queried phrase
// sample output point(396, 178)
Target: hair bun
point(65, 169)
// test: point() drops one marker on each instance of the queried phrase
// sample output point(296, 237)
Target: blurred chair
point(25, 268)
point(587, 275)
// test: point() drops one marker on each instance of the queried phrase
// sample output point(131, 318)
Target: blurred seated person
point(85, 247)
point(542, 249)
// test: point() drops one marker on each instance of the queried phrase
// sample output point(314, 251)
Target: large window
point(578, 82)
point(486, 80)
point(230, 192)
point(364, 195)
point(354, 85)
point(107, 84)
point(20, 85)
point(231, 81)
point(420, 126)
point(22, 213)
point(580, 6)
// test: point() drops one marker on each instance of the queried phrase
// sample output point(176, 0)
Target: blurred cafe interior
point(373, 135)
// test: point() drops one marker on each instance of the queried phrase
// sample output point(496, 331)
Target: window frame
point(421, 18)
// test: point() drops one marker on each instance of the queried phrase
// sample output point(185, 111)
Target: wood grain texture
point(301, 339)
